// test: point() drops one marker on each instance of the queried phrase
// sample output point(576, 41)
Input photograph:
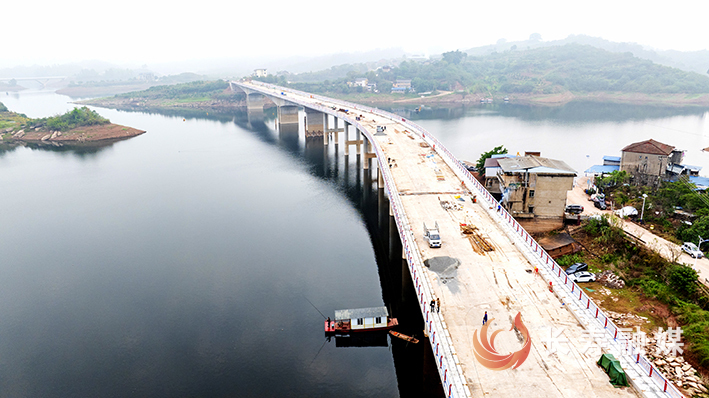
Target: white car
point(692, 249)
point(582, 276)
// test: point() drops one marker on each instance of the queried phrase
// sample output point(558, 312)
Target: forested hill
point(548, 70)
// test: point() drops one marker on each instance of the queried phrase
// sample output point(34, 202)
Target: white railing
point(637, 366)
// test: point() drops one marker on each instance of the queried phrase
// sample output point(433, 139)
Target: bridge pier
point(288, 115)
point(254, 102)
point(326, 131)
point(314, 123)
point(365, 143)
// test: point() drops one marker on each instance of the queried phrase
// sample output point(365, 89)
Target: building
point(535, 188)
point(558, 245)
point(361, 82)
point(260, 73)
point(492, 184)
point(401, 86)
point(649, 162)
point(610, 164)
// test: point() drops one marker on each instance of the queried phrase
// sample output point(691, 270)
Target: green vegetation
point(480, 165)
point(660, 206)
point(72, 119)
point(547, 70)
point(75, 118)
point(11, 120)
point(648, 274)
point(199, 89)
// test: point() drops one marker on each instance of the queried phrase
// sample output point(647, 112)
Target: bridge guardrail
point(447, 363)
point(590, 316)
point(633, 356)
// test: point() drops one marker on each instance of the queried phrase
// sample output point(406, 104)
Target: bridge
point(499, 268)
point(43, 80)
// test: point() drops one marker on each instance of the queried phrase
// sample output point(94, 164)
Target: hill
point(690, 61)
point(571, 68)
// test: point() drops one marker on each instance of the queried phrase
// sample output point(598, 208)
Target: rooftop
point(535, 164)
point(650, 147)
point(361, 313)
point(602, 169)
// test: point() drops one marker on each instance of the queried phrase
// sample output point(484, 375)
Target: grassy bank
point(667, 293)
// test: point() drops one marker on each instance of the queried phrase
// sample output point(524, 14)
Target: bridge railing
point(585, 310)
point(447, 362)
point(593, 316)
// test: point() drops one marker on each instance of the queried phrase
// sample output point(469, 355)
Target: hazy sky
point(147, 32)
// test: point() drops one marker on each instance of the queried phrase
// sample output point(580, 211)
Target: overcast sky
point(141, 32)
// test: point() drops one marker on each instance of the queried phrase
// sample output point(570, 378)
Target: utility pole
point(699, 245)
point(642, 213)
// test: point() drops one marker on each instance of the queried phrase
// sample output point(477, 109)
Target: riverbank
point(450, 98)
point(84, 134)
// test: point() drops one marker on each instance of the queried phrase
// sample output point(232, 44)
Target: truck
point(431, 235)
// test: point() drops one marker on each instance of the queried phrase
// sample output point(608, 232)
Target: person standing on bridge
point(485, 318)
point(433, 305)
point(438, 305)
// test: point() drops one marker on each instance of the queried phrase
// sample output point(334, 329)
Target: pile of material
point(675, 368)
point(608, 279)
point(477, 241)
point(448, 205)
point(626, 319)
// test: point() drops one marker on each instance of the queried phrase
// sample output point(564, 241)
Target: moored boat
point(402, 336)
point(360, 320)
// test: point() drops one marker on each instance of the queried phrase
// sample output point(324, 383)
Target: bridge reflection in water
point(416, 371)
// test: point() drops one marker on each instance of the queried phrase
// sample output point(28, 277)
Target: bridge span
point(567, 331)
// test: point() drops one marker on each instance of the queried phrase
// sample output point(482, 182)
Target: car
point(692, 249)
point(600, 204)
point(574, 209)
point(578, 267)
point(582, 277)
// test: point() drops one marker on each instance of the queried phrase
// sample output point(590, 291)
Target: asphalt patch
point(445, 267)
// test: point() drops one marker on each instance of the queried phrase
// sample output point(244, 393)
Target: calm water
point(578, 133)
point(181, 262)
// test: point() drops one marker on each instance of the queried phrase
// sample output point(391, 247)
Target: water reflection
point(414, 363)
point(572, 112)
point(81, 151)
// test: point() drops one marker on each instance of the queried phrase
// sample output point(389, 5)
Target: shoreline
point(443, 99)
point(80, 136)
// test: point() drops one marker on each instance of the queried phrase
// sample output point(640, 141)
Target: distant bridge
point(418, 174)
point(43, 80)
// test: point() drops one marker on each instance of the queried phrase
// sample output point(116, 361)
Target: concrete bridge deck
point(418, 174)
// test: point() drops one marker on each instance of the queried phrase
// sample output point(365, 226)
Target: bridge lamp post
point(642, 213)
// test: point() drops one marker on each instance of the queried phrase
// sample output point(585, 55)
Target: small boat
point(402, 336)
point(360, 320)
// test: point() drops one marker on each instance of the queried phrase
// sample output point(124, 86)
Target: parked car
point(574, 209)
point(578, 267)
point(582, 277)
point(692, 249)
point(601, 204)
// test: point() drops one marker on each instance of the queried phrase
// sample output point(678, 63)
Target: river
point(194, 260)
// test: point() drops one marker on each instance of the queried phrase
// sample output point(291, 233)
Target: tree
point(454, 57)
point(535, 37)
point(683, 279)
point(498, 150)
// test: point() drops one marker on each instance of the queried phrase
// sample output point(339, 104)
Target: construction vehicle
point(432, 235)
